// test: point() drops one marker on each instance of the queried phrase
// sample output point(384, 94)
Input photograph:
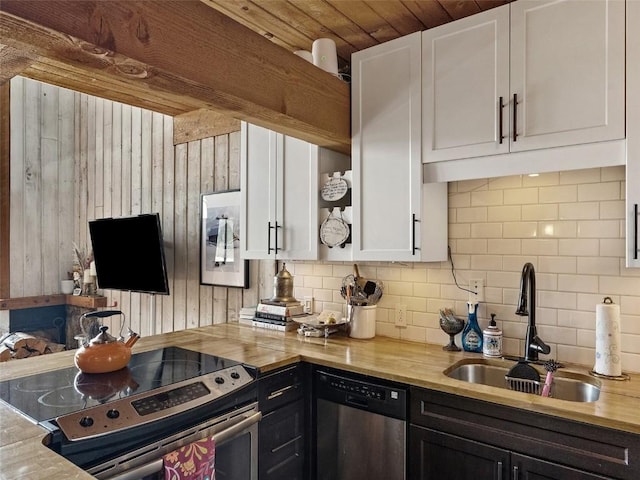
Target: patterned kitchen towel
point(195, 461)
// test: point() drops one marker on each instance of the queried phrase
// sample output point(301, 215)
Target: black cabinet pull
point(515, 116)
point(414, 220)
point(500, 126)
point(276, 233)
point(635, 231)
point(269, 227)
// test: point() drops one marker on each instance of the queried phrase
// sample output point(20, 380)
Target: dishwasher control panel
point(362, 393)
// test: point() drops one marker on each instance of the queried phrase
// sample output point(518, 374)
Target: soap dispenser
point(492, 339)
point(472, 335)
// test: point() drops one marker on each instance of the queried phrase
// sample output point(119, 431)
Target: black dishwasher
point(361, 427)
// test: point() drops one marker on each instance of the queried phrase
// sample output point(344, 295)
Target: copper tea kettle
point(104, 353)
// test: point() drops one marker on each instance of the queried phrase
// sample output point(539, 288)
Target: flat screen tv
point(129, 254)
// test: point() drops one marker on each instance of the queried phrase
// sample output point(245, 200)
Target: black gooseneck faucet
point(533, 344)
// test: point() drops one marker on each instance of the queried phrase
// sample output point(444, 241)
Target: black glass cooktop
point(46, 396)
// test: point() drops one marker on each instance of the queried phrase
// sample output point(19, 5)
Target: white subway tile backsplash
point(471, 214)
point(559, 194)
point(575, 177)
point(599, 229)
point(539, 246)
point(540, 212)
point(504, 246)
point(542, 179)
point(486, 230)
point(578, 283)
point(600, 191)
point(520, 230)
point(557, 264)
point(579, 211)
point(598, 265)
point(521, 196)
point(505, 213)
point(570, 225)
point(579, 247)
point(487, 197)
point(612, 209)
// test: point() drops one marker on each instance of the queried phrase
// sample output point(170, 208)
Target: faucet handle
point(539, 346)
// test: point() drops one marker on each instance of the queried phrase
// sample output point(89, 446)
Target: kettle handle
point(101, 314)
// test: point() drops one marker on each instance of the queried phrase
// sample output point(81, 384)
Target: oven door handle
point(156, 465)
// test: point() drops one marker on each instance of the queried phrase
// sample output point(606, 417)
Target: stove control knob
point(235, 375)
point(219, 380)
point(86, 422)
point(113, 414)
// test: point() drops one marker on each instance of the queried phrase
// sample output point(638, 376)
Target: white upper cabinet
point(465, 67)
point(633, 135)
point(279, 196)
point(389, 221)
point(544, 73)
point(567, 70)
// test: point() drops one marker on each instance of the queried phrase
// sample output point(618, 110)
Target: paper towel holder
point(623, 376)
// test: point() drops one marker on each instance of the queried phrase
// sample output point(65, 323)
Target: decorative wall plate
point(334, 231)
point(334, 189)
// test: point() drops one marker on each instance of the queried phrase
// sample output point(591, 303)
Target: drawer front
point(280, 388)
point(281, 444)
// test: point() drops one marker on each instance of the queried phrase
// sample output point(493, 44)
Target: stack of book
point(277, 315)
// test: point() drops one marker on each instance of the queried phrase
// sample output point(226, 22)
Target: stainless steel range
point(120, 424)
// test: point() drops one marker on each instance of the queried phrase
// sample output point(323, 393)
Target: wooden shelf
point(47, 300)
point(86, 302)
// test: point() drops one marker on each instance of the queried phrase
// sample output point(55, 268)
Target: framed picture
point(220, 262)
point(77, 291)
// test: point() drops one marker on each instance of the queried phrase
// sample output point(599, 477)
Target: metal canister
point(283, 286)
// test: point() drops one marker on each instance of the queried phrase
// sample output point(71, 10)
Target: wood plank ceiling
point(353, 24)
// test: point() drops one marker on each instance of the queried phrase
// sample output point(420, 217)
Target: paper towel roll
point(608, 339)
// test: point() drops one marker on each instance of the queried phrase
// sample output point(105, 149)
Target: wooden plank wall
point(42, 194)
point(123, 162)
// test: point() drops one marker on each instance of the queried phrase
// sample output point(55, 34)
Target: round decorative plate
point(334, 231)
point(334, 189)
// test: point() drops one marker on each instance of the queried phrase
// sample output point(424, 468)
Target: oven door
point(236, 437)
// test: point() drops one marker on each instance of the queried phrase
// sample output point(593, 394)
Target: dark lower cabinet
point(283, 431)
point(453, 437)
point(436, 455)
point(528, 468)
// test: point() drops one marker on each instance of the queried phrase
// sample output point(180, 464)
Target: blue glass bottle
point(472, 334)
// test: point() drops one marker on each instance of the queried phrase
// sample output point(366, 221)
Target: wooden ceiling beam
point(12, 63)
point(201, 124)
point(170, 49)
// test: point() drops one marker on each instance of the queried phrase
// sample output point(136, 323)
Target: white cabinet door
point(465, 78)
point(259, 185)
point(633, 135)
point(297, 236)
point(386, 153)
point(567, 70)
point(279, 196)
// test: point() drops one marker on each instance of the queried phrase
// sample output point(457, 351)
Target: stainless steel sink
point(571, 386)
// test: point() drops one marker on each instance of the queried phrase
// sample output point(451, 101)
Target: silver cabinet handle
point(499, 476)
point(277, 393)
point(515, 473)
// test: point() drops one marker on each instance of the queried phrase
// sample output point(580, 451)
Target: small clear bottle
point(472, 334)
point(492, 339)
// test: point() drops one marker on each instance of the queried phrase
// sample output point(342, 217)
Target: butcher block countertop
point(23, 455)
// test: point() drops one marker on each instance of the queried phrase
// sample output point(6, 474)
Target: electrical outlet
point(401, 315)
point(476, 285)
point(308, 305)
